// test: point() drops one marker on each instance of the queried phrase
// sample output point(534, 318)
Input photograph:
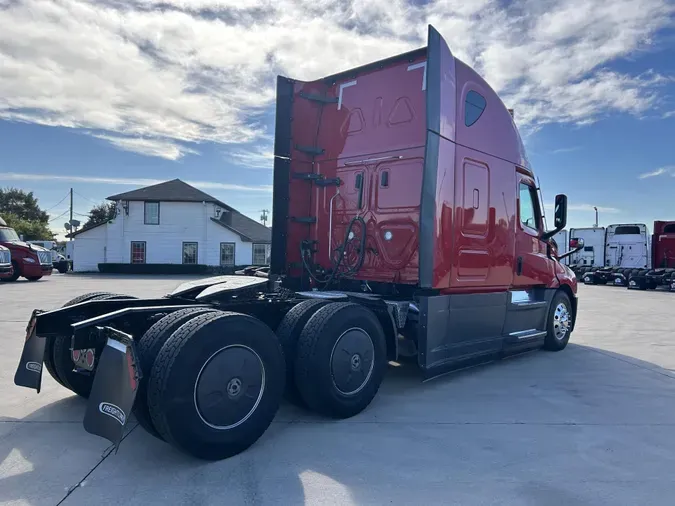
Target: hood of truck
point(23, 245)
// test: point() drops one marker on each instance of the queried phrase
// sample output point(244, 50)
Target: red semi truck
point(406, 217)
point(28, 261)
point(662, 272)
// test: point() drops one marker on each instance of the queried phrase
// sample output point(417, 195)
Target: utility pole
point(71, 211)
point(263, 216)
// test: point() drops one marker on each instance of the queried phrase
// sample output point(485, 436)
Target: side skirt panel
point(464, 330)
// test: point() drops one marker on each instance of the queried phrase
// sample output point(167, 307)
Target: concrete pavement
point(591, 425)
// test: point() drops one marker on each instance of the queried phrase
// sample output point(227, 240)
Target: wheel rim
point(561, 321)
point(229, 387)
point(352, 361)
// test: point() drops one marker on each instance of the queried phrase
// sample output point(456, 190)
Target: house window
point(528, 207)
point(226, 253)
point(151, 213)
point(138, 252)
point(474, 106)
point(261, 254)
point(190, 253)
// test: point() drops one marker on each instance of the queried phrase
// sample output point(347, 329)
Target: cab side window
point(474, 105)
point(529, 208)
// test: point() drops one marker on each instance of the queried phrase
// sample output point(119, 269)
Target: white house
point(172, 223)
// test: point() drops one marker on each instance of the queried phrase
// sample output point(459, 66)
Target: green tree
point(21, 204)
point(101, 213)
point(30, 230)
point(21, 211)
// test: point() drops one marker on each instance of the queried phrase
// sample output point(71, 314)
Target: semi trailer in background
point(561, 240)
point(406, 215)
point(593, 252)
point(631, 256)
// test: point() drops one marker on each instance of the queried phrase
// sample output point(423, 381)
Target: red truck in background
point(5, 263)
point(662, 272)
point(663, 245)
point(406, 221)
point(29, 261)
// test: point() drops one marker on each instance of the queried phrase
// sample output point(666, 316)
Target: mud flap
point(115, 385)
point(29, 372)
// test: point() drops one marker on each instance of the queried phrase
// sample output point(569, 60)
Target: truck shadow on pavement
point(467, 437)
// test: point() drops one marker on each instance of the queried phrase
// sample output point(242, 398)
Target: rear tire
point(216, 384)
point(147, 349)
point(62, 360)
point(341, 360)
point(559, 323)
point(49, 345)
point(288, 332)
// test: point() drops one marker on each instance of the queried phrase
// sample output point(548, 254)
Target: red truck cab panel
point(426, 154)
point(663, 244)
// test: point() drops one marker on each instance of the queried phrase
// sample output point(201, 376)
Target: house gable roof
point(169, 191)
point(249, 230)
point(86, 229)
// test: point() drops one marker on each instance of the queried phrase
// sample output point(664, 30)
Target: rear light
point(90, 358)
point(574, 243)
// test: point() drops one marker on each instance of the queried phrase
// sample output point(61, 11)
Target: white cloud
point(570, 149)
point(155, 76)
point(589, 207)
point(150, 147)
point(255, 158)
point(16, 176)
point(585, 208)
point(658, 172)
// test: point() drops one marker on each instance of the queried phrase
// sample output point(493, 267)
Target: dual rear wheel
point(213, 380)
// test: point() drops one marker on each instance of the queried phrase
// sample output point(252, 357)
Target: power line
point(60, 201)
point(86, 198)
point(60, 215)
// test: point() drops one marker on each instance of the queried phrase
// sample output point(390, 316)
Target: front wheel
point(34, 278)
point(15, 273)
point(559, 324)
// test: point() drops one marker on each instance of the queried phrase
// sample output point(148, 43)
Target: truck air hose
point(336, 264)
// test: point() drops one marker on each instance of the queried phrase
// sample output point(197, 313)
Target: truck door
point(531, 267)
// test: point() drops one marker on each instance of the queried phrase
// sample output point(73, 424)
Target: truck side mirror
point(560, 216)
point(560, 219)
point(575, 245)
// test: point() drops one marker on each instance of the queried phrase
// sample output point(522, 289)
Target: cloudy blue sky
point(104, 96)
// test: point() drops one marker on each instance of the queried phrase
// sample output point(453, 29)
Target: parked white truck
point(593, 252)
point(612, 255)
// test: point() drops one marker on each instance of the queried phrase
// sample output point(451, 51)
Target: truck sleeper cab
point(406, 221)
